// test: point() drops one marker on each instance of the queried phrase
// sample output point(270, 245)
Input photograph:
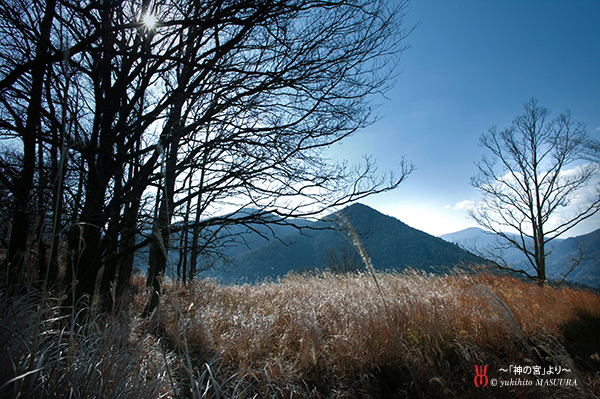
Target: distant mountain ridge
point(559, 258)
point(390, 244)
point(272, 250)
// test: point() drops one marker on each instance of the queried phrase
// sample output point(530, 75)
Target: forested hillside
point(391, 245)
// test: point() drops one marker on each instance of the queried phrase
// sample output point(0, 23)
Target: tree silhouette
point(538, 167)
point(145, 131)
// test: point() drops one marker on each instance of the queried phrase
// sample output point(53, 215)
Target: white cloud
point(577, 202)
point(460, 206)
point(597, 129)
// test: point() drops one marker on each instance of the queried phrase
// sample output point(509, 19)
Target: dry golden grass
point(324, 335)
point(308, 336)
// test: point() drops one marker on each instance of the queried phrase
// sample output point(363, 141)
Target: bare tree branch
point(536, 172)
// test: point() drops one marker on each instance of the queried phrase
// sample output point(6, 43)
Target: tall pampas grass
point(358, 335)
point(89, 355)
point(321, 335)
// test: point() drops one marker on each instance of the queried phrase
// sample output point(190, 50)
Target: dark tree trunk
point(159, 246)
point(21, 223)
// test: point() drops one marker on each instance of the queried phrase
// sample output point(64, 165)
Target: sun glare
point(150, 21)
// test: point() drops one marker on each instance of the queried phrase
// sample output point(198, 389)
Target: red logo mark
point(481, 378)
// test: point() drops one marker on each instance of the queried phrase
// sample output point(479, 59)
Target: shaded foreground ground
point(317, 336)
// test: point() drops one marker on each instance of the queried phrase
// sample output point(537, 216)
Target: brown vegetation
point(318, 336)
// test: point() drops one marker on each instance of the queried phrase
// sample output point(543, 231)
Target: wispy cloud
point(597, 129)
point(575, 204)
point(460, 206)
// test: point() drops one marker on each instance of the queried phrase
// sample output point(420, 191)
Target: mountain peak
point(391, 245)
point(468, 233)
point(355, 208)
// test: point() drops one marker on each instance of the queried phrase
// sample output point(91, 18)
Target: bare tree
point(537, 169)
point(342, 260)
point(176, 127)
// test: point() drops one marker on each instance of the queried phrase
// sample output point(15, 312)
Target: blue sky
point(472, 65)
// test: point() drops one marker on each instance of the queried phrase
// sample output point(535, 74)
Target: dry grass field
point(321, 336)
